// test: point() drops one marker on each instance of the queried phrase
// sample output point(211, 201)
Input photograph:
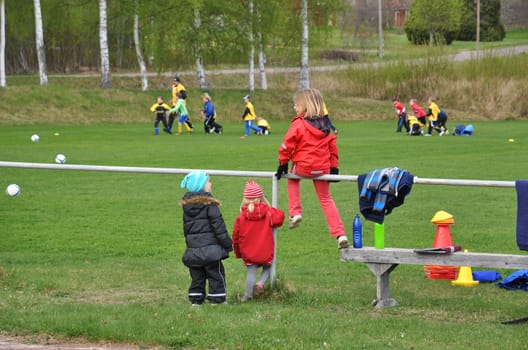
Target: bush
point(491, 27)
point(439, 21)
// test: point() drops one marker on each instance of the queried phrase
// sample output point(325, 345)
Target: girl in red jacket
point(253, 239)
point(312, 148)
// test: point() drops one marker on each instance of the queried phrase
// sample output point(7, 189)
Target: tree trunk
point(41, 52)
point(251, 50)
point(103, 42)
point(478, 27)
point(198, 51)
point(22, 59)
point(151, 54)
point(380, 30)
point(305, 78)
point(261, 54)
point(262, 64)
point(139, 54)
point(3, 83)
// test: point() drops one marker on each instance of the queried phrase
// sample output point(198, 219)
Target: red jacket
point(400, 109)
point(417, 110)
point(253, 234)
point(313, 151)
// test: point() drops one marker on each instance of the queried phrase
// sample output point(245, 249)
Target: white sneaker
point(295, 221)
point(428, 135)
point(342, 242)
point(441, 133)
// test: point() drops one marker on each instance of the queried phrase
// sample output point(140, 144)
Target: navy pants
point(214, 274)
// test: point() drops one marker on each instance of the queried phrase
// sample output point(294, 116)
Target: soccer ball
point(60, 159)
point(13, 190)
point(35, 138)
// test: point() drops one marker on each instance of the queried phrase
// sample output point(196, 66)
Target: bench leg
point(382, 273)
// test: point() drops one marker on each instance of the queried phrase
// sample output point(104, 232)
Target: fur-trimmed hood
point(205, 198)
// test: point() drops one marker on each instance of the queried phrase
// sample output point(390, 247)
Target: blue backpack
point(463, 130)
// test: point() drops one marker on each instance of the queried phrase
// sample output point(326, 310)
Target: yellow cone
point(442, 217)
point(465, 277)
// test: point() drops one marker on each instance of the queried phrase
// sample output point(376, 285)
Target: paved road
point(461, 56)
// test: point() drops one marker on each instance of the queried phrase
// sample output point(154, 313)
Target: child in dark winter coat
point(253, 239)
point(206, 238)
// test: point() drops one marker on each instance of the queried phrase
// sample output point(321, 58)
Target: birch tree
point(380, 30)
point(251, 49)
point(103, 43)
point(198, 51)
point(3, 83)
point(39, 38)
point(139, 54)
point(305, 78)
point(261, 57)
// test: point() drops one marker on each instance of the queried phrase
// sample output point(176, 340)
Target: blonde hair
point(310, 101)
point(250, 203)
point(206, 96)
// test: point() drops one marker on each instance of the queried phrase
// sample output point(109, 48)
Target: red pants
point(322, 188)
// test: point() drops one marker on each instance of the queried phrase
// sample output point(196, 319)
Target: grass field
point(97, 256)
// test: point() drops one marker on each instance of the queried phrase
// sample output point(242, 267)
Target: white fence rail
point(239, 173)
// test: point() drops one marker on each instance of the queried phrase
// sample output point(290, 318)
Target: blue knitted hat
point(195, 181)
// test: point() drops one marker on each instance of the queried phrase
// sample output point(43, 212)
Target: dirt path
point(23, 343)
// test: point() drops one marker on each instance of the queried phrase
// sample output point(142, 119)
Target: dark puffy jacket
point(205, 231)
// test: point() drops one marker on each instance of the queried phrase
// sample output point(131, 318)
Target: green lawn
point(97, 255)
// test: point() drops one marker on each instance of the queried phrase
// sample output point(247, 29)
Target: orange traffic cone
point(465, 277)
point(443, 237)
point(442, 220)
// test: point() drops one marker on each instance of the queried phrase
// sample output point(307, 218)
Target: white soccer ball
point(35, 138)
point(60, 159)
point(13, 190)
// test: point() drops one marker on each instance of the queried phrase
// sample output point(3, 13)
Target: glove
point(334, 171)
point(281, 170)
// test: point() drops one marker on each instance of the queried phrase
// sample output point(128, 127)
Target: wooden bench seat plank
point(382, 262)
point(408, 256)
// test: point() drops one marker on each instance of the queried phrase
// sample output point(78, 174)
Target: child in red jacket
point(253, 239)
point(400, 111)
point(312, 148)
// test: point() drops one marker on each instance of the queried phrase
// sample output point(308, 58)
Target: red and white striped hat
point(253, 190)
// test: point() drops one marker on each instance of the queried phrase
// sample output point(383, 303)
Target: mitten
point(281, 170)
point(334, 171)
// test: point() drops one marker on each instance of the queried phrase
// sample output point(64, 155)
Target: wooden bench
point(383, 261)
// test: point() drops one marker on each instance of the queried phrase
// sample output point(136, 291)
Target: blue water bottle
point(357, 232)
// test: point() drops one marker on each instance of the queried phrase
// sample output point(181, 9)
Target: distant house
point(400, 10)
